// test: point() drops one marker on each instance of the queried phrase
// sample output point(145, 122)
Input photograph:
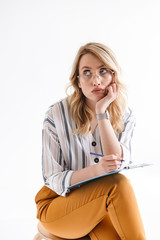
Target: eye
point(103, 71)
point(87, 73)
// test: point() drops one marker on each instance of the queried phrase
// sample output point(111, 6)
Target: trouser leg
point(124, 212)
point(104, 230)
point(83, 209)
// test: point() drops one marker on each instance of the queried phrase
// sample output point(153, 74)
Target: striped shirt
point(63, 153)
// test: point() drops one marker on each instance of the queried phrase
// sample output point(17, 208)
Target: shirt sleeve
point(125, 137)
point(55, 174)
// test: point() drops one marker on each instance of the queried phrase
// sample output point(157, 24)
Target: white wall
point(38, 42)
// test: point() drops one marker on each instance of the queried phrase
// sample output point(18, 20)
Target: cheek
point(109, 81)
point(82, 84)
point(84, 87)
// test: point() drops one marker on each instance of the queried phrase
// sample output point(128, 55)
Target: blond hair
point(81, 113)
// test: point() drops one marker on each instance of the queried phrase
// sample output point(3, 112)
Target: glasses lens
point(103, 73)
point(87, 74)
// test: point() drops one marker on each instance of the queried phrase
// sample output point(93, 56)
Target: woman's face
point(94, 78)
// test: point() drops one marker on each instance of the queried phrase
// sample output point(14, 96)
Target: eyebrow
point(91, 68)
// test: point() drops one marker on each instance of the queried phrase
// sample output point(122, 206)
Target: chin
point(94, 99)
point(98, 98)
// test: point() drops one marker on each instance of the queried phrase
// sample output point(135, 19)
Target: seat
point(44, 234)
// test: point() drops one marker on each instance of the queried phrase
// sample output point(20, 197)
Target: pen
point(100, 155)
point(96, 154)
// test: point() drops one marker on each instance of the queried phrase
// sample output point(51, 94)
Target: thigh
point(77, 214)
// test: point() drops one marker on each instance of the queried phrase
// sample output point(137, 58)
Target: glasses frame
point(93, 75)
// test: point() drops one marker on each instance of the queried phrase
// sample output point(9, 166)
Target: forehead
point(90, 60)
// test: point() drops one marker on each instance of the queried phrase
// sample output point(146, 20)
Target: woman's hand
point(108, 163)
point(112, 92)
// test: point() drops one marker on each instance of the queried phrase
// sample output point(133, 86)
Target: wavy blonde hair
point(81, 113)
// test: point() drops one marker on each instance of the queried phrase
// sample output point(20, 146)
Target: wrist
point(105, 115)
point(99, 110)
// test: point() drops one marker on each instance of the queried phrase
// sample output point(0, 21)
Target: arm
point(95, 170)
point(110, 143)
point(55, 174)
point(112, 150)
point(105, 164)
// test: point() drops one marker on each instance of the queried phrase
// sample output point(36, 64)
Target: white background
point(38, 42)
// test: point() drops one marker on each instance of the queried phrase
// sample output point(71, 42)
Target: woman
point(93, 119)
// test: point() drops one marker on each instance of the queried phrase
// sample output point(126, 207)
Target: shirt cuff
point(67, 183)
point(126, 156)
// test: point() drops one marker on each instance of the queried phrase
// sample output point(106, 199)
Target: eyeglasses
point(102, 73)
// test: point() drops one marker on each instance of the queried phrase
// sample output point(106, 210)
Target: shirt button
point(96, 160)
point(93, 144)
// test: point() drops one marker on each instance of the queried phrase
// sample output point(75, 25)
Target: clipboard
point(109, 173)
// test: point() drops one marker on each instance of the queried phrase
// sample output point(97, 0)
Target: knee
point(120, 179)
point(121, 183)
point(120, 189)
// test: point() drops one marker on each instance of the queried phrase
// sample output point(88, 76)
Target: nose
point(96, 80)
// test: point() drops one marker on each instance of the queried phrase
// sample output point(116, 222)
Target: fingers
point(111, 93)
point(112, 90)
point(115, 88)
point(111, 162)
point(114, 164)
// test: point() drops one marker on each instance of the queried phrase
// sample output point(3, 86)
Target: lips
point(98, 90)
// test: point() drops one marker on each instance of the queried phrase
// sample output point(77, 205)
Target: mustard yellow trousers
point(103, 209)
